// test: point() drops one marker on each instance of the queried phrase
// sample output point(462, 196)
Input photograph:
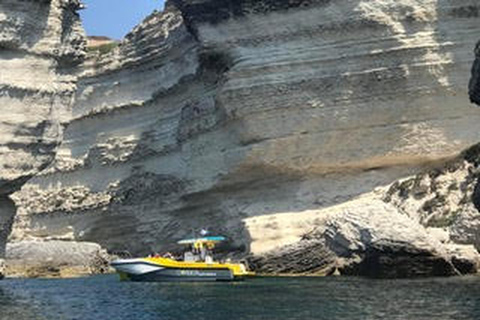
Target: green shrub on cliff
point(104, 48)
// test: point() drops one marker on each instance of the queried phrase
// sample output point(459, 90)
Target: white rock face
point(41, 44)
point(254, 119)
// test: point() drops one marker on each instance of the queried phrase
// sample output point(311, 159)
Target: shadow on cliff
point(464, 13)
point(149, 214)
point(474, 84)
point(37, 12)
point(7, 214)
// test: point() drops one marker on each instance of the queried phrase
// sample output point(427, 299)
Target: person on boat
point(203, 253)
point(168, 255)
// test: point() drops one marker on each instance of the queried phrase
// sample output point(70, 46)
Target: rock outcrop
point(56, 259)
point(369, 237)
point(444, 197)
point(256, 119)
point(41, 43)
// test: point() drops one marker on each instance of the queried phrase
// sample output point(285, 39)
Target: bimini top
point(202, 240)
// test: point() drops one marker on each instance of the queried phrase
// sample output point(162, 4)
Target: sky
point(115, 18)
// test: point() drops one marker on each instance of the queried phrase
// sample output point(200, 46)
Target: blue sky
point(115, 18)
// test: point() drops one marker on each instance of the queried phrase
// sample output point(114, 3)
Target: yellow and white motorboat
point(197, 265)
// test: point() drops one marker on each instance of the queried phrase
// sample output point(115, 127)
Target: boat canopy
point(202, 240)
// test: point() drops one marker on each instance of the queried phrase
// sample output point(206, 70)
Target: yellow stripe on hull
point(237, 269)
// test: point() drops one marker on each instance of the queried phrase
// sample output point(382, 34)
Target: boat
point(197, 265)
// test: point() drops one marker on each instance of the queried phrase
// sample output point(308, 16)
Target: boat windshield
point(202, 240)
point(201, 248)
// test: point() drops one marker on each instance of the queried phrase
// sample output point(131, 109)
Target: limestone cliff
point(255, 119)
point(41, 42)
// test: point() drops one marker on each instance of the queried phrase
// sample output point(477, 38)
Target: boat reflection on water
point(198, 264)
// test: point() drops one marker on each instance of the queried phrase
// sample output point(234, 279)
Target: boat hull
point(138, 270)
point(191, 275)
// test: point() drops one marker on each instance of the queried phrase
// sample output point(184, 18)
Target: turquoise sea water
point(104, 297)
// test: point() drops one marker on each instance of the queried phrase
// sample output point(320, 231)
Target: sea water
point(104, 297)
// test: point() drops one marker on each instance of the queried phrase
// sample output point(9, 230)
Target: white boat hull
point(143, 270)
point(135, 266)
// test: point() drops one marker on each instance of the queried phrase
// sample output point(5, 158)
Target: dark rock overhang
point(215, 11)
point(474, 86)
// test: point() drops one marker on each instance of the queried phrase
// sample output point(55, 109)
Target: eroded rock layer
point(254, 118)
point(55, 259)
point(41, 43)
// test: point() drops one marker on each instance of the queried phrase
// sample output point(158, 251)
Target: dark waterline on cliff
point(105, 297)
